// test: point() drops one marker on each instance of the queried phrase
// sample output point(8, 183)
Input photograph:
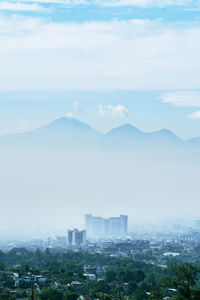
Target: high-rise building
point(87, 222)
point(124, 224)
point(106, 227)
point(76, 237)
point(101, 227)
point(94, 225)
point(115, 227)
point(69, 237)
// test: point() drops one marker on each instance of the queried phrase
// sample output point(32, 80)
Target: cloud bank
point(111, 3)
point(194, 116)
point(182, 98)
point(115, 111)
point(15, 6)
point(38, 54)
point(145, 3)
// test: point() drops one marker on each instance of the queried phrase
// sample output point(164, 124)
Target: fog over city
point(99, 113)
point(99, 149)
point(50, 177)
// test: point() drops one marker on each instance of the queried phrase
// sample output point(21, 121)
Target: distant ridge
point(126, 131)
point(69, 132)
point(194, 141)
point(164, 136)
point(68, 128)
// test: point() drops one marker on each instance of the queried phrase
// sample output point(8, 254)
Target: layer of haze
point(54, 189)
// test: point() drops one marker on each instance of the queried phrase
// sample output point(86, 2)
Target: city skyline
point(113, 227)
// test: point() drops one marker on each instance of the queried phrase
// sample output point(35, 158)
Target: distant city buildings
point(76, 237)
point(111, 227)
point(197, 223)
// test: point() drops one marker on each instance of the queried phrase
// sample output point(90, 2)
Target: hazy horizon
point(70, 117)
point(55, 187)
point(104, 64)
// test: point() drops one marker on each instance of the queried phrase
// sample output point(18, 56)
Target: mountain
point(67, 128)
point(70, 133)
point(194, 141)
point(61, 132)
point(164, 136)
point(122, 137)
point(126, 131)
point(128, 136)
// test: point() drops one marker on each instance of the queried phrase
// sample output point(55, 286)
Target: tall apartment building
point(76, 237)
point(101, 227)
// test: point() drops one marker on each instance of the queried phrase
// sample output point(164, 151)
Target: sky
point(103, 62)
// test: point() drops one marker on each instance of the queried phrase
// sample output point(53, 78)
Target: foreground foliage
point(121, 278)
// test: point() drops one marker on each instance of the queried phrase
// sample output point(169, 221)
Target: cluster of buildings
point(76, 237)
point(98, 227)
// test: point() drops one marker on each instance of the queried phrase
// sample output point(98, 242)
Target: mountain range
point(69, 132)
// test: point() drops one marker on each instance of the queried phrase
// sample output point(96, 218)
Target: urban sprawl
point(103, 261)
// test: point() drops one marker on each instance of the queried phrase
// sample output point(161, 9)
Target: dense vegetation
point(117, 278)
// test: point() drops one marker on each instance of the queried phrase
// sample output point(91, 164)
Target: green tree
point(9, 283)
point(185, 277)
point(6, 296)
point(157, 293)
point(132, 286)
point(24, 284)
point(139, 295)
point(2, 266)
point(110, 276)
point(102, 286)
point(70, 295)
point(51, 294)
point(129, 276)
point(139, 275)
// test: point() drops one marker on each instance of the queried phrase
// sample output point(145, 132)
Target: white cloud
point(143, 3)
point(36, 54)
point(111, 3)
point(118, 110)
point(14, 6)
point(63, 2)
point(69, 115)
point(193, 8)
point(182, 98)
point(194, 116)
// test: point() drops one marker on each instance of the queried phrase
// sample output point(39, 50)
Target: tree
point(6, 296)
point(132, 286)
point(69, 295)
point(2, 267)
point(157, 293)
point(184, 280)
point(129, 276)
point(140, 275)
point(139, 295)
point(9, 283)
point(51, 294)
point(38, 254)
point(110, 276)
point(24, 284)
point(102, 286)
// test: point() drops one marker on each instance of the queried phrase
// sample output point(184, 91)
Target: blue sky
point(103, 62)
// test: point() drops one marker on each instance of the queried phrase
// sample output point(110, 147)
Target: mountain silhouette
point(67, 128)
point(68, 132)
